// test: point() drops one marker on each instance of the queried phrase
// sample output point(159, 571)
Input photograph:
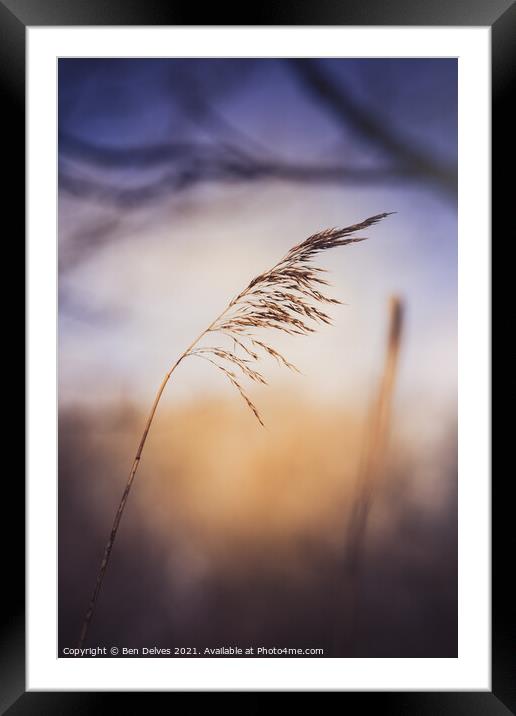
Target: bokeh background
point(179, 180)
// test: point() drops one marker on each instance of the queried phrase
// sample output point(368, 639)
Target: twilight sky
point(182, 179)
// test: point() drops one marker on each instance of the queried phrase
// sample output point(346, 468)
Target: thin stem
point(295, 273)
point(370, 470)
point(121, 507)
point(374, 455)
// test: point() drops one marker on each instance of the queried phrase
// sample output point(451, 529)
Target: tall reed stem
point(280, 299)
point(121, 507)
point(379, 423)
point(370, 470)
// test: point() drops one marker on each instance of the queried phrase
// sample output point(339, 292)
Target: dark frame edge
point(12, 91)
point(286, 12)
point(503, 35)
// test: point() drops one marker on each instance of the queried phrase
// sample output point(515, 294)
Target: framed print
point(258, 362)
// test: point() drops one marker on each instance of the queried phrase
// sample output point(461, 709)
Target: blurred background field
point(179, 181)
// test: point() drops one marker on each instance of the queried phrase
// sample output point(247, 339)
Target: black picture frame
point(500, 15)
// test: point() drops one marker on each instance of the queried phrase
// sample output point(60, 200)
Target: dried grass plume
point(287, 298)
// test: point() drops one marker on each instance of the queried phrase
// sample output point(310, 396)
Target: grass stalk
point(371, 469)
point(285, 298)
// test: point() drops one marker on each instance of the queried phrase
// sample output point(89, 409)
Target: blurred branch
point(339, 102)
point(134, 176)
point(192, 164)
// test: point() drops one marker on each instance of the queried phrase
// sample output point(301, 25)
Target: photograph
point(257, 357)
point(259, 362)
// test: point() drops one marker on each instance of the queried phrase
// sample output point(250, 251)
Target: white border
point(471, 670)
